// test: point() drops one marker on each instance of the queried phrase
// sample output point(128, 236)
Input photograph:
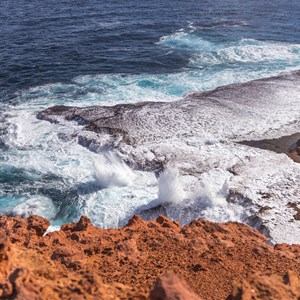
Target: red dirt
point(84, 262)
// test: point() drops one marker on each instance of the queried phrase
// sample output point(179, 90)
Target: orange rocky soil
point(139, 261)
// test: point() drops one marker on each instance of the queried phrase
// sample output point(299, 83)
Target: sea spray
point(36, 205)
point(170, 189)
point(211, 196)
point(214, 188)
point(111, 171)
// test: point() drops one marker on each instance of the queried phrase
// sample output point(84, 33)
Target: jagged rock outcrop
point(30, 274)
point(82, 261)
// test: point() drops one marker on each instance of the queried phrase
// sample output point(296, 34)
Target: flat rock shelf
point(202, 137)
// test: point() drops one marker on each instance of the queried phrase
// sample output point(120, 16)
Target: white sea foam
point(211, 194)
point(99, 185)
point(187, 41)
point(111, 171)
point(205, 53)
point(250, 51)
point(36, 205)
point(213, 188)
point(169, 187)
point(112, 207)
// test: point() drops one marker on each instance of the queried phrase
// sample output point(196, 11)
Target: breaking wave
point(170, 189)
point(111, 171)
point(205, 53)
point(211, 64)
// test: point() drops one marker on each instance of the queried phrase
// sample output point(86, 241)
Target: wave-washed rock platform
point(202, 140)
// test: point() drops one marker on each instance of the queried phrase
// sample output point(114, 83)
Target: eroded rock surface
point(84, 262)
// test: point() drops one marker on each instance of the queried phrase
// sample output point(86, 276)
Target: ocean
point(110, 52)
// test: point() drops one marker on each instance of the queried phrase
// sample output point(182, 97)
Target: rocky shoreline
point(226, 147)
point(143, 260)
point(229, 163)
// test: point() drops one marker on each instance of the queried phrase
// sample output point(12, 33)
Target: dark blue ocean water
point(54, 41)
point(106, 52)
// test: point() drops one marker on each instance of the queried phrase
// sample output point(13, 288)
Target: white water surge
point(111, 171)
point(169, 187)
